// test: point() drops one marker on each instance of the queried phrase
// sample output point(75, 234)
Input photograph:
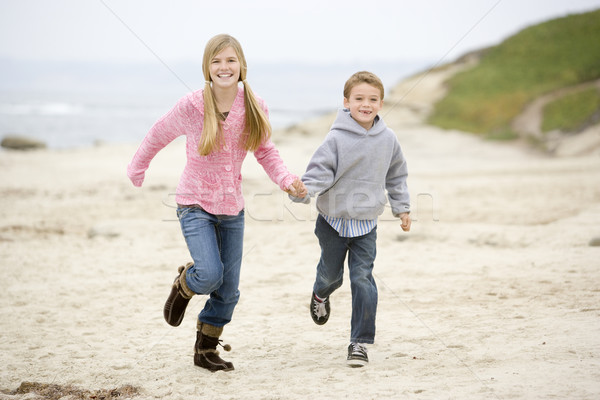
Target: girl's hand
point(297, 189)
point(405, 217)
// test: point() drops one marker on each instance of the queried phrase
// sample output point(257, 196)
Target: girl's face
point(225, 69)
point(364, 104)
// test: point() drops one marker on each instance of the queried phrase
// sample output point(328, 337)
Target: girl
point(221, 124)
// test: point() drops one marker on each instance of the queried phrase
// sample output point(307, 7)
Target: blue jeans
point(215, 243)
point(361, 253)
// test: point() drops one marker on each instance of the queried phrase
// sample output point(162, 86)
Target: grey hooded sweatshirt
point(353, 168)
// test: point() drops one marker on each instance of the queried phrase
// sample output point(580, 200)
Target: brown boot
point(205, 350)
point(179, 298)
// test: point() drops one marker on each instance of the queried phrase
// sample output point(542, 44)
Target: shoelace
point(358, 348)
point(320, 310)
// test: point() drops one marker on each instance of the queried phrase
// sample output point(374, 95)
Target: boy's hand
point(405, 217)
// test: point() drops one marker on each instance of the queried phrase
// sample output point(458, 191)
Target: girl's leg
point(330, 270)
point(364, 290)
point(229, 234)
point(200, 233)
point(215, 243)
point(203, 275)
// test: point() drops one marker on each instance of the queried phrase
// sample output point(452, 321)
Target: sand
point(494, 294)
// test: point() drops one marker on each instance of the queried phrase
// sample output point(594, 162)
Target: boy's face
point(364, 104)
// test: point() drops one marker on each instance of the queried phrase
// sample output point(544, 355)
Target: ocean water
point(79, 106)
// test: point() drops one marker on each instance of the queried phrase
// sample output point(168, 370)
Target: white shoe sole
point(356, 363)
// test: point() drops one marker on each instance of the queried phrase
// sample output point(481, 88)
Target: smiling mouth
point(225, 75)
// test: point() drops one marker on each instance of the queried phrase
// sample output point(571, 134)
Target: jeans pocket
point(182, 212)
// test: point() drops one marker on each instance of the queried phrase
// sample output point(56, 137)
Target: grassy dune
point(536, 61)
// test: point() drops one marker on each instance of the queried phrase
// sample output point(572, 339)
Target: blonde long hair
point(256, 126)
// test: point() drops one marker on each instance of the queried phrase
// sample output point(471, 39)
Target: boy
point(350, 172)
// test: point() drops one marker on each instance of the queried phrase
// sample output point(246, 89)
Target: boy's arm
point(320, 172)
point(396, 186)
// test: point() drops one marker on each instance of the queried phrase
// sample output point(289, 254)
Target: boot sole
point(200, 360)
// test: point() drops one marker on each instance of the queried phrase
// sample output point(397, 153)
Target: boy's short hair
point(363, 77)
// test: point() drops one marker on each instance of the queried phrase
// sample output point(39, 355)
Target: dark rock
point(15, 142)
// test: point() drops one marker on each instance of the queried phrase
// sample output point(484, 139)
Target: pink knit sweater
point(214, 182)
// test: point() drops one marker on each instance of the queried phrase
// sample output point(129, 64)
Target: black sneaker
point(319, 311)
point(357, 355)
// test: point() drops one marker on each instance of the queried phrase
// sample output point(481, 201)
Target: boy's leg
point(330, 270)
point(364, 290)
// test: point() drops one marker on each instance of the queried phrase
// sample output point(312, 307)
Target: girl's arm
point(163, 132)
point(268, 156)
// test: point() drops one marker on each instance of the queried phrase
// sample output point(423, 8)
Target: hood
point(345, 122)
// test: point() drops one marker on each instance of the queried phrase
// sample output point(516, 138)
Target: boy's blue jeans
point(361, 253)
point(215, 243)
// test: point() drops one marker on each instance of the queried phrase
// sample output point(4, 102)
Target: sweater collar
point(197, 98)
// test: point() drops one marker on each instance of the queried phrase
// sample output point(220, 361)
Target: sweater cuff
point(136, 179)
point(287, 182)
point(137, 182)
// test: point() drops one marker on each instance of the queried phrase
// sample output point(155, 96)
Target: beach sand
point(494, 294)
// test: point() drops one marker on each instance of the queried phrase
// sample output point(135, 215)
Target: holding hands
point(297, 189)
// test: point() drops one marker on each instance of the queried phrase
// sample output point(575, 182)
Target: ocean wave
point(45, 109)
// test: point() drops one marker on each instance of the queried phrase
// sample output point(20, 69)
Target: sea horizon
point(69, 105)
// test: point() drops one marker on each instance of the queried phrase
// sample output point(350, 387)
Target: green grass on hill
point(572, 112)
point(537, 60)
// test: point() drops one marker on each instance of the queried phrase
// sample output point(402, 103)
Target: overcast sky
point(316, 31)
